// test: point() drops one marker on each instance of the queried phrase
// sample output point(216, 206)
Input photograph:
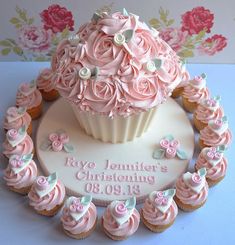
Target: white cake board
point(115, 183)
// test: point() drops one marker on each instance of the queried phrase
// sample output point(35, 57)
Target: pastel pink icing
point(124, 230)
point(45, 81)
point(155, 217)
point(82, 225)
point(24, 178)
point(25, 147)
point(187, 196)
point(194, 94)
point(48, 202)
point(30, 101)
point(204, 114)
point(213, 172)
point(18, 123)
point(210, 138)
point(123, 85)
point(185, 79)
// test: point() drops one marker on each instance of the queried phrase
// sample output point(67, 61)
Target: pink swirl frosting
point(25, 119)
point(188, 196)
point(126, 229)
point(45, 81)
point(82, 225)
point(210, 138)
point(24, 148)
point(204, 114)
point(24, 178)
point(155, 217)
point(48, 202)
point(120, 67)
point(213, 172)
point(185, 79)
point(32, 100)
point(195, 95)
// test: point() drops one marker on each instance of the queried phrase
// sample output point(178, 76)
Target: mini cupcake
point(215, 163)
point(79, 217)
point(30, 97)
point(159, 210)
point(47, 195)
point(207, 110)
point(216, 134)
point(46, 86)
point(16, 118)
point(17, 142)
point(121, 219)
point(191, 190)
point(177, 92)
point(195, 92)
point(114, 73)
point(20, 173)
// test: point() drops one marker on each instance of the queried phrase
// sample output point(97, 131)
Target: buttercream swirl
point(24, 120)
point(32, 100)
point(187, 196)
point(123, 64)
point(126, 229)
point(84, 224)
point(155, 217)
point(213, 172)
point(194, 94)
point(24, 178)
point(23, 148)
point(48, 202)
point(204, 114)
point(210, 138)
point(45, 81)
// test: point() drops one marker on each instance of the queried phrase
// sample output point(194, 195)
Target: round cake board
point(115, 171)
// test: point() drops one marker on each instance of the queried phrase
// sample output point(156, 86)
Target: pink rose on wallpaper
point(34, 38)
point(174, 37)
point(196, 20)
point(57, 18)
point(212, 45)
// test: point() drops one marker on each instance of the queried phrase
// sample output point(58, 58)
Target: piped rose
point(41, 183)
point(120, 210)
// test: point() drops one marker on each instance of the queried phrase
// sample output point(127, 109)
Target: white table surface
point(212, 224)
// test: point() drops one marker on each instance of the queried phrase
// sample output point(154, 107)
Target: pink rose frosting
point(155, 217)
point(126, 229)
point(185, 79)
point(210, 138)
point(24, 178)
point(82, 225)
point(129, 68)
point(23, 148)
point(194, 94)
point(188, 196)
point(213, 172)
point(204, 114)
point(45, 81)
point(48, 202)
point(23, 120)
point(32, 100)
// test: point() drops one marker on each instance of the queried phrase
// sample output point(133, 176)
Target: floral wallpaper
point(36, 36)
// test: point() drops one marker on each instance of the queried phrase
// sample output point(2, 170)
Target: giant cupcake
point(115, 71)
